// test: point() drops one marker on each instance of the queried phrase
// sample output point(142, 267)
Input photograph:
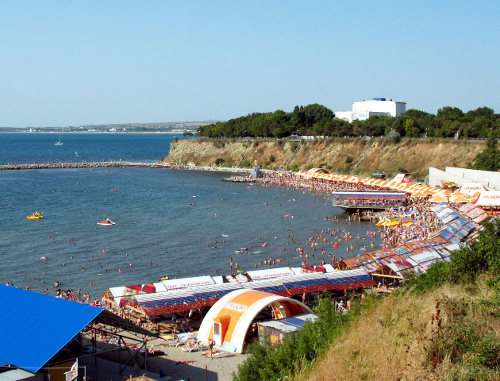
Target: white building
point(378, 106)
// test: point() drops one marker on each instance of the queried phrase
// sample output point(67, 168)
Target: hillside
point(337, 155)
point(449, 333)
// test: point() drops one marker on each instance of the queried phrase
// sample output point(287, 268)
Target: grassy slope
point(368, 156)
point(413, 337)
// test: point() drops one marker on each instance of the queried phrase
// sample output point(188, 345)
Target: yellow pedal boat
point(35, 216)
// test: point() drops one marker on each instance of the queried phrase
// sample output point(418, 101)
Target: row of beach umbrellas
point(437, 195)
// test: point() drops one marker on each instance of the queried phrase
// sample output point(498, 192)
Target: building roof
point(281, 281)
point(35, 327)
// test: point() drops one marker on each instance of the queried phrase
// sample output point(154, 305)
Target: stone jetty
point(103, 164)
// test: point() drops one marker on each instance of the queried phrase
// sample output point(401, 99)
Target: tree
point(306, 117)
point(489, 159)
point(416, 114)
point(412, 128)
point(393, 136)
point(481, 111)
point(450, 113)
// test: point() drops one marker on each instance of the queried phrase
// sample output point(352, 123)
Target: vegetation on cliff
point(317, 120)
point(340, 155)
point(445, 325)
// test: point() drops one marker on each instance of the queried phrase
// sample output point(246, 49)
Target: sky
point(68, 63)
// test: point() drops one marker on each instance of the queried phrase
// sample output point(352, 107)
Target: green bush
point(297, 353)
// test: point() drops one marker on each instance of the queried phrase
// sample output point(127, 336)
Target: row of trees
point(317, 120)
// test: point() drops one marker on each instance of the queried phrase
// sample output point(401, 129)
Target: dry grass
point(412, 156)
point(398, 338)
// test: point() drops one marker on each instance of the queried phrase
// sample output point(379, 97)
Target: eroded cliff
point(337, 155)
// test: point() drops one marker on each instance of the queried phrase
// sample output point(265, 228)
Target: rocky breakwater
point(85, 164)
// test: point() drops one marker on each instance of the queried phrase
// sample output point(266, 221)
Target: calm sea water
point(168, 222)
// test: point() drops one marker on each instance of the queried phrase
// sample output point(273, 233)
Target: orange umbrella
point(418, 194)
point(445, 191)
point(457, 197)
point(439, 197)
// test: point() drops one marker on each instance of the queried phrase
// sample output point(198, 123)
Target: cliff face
point(337, 155)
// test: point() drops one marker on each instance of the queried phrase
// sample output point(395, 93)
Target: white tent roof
point(491, 198)
point(472, 188)
point(172, 284)
point(270, 273)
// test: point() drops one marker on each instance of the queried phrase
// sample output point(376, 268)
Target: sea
point(175, 223)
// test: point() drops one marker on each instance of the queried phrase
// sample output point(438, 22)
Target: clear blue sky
point(91, 62)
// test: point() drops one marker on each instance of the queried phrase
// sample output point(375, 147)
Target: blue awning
point(35, 327)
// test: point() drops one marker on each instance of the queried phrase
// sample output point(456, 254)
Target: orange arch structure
point(228, 320)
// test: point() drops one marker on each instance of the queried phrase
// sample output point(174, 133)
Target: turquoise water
point(168, 222)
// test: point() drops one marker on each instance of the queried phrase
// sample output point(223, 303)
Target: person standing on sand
point(211, 344)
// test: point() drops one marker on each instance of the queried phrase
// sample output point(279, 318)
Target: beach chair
point(184, 338)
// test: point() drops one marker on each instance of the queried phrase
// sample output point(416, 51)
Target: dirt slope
point(357, 156)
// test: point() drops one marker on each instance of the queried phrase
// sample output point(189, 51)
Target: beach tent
point(162, 303)
point(438, 197)
point(288, 284)
point(426, 259)
point(172, 284)
point(419, 194)
point(489, 198)
point(228, 321)
point(401, 178)
point(404, 267)
point(125, 295)
point(270, 273)
point(313, 172)
point(472, 188)
point(457, 197)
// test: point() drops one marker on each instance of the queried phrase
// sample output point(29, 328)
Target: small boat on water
point(35, 216)
point(106, 223)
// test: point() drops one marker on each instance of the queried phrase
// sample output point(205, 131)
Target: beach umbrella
point(402, 186)
point(419, 194)
point(438, 197)
point(457, 197)
point(445, 191)
point(352, 179)
point(430, 190)
point(386, 184)
point(368, 181)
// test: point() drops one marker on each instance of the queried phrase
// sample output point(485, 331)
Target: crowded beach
point(415, 218)
point(411, 234)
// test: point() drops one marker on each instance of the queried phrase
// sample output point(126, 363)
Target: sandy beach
point(175, 363)
point(219, 368)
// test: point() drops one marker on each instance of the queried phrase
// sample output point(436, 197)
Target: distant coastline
point(160, 127)
point(92, 132)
